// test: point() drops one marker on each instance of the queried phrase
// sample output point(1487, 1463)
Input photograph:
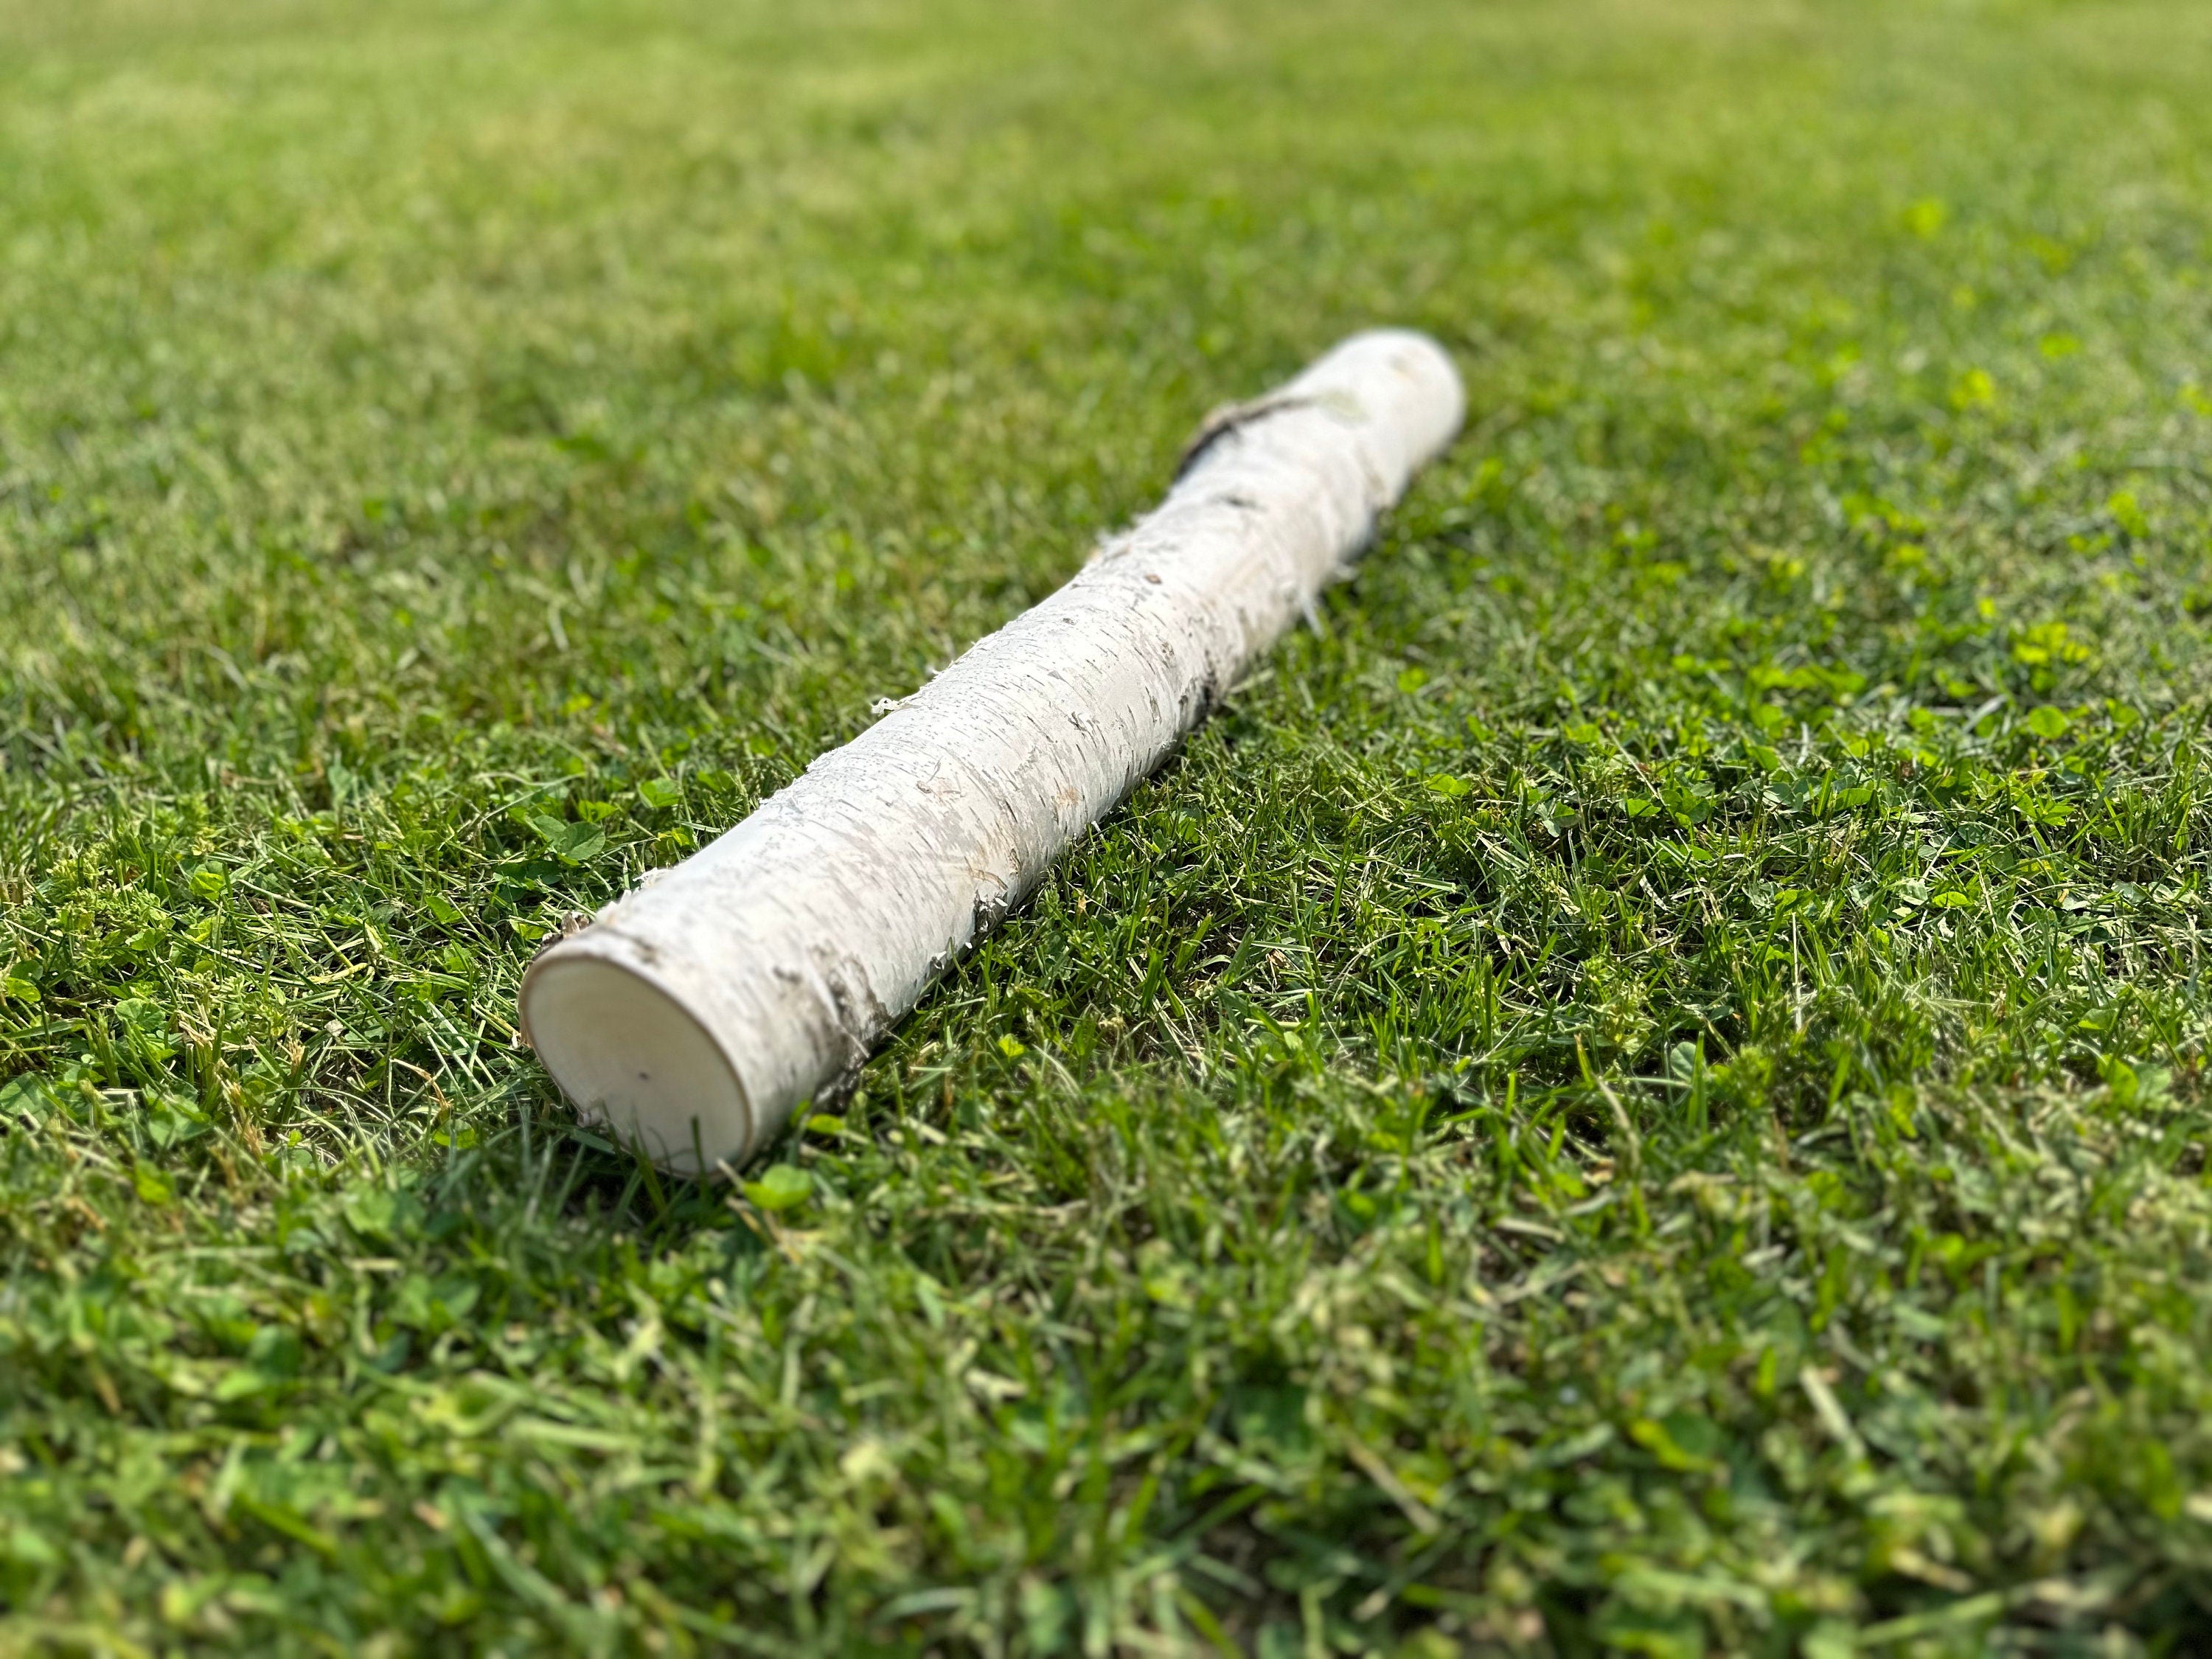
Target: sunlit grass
point(1640, 1088)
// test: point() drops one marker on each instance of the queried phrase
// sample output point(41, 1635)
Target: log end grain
point(636, 1062)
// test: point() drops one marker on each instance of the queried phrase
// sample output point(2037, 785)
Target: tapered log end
point(633, 1058)
point(1409, 371)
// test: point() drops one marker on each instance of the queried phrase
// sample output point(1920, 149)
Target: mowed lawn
point(1641, 1089)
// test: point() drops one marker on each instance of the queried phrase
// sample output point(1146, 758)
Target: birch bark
point(699, 1010)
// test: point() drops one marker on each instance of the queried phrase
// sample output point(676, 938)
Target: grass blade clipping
point(699, 1010)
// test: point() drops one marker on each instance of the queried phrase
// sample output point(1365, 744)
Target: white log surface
point(699, 1010)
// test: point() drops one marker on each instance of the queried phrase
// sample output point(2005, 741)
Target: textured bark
point(700, 1009)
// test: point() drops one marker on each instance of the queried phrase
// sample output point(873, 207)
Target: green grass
point(1641, 1091)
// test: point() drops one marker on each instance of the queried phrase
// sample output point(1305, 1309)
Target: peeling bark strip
point(700, 1009)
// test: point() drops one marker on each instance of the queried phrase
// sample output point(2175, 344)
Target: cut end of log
point(634, 1059)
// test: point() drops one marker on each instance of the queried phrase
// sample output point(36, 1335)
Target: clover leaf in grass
point(432, 1305)
point(379, 1213)
point(27, 1098)
point(1975, 389)
point(146, 1027)
point(172, 1118)
point(571, 843)
point(1927, 217)
point(1451, 788)
point(659, 794)
point(780, 1188)
point(272, 1358)
point(152, 1186)
point(26, 1547)
point(2048, 723)
point(1682, 1440)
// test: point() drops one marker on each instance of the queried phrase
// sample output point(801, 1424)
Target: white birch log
point(699, 1010)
